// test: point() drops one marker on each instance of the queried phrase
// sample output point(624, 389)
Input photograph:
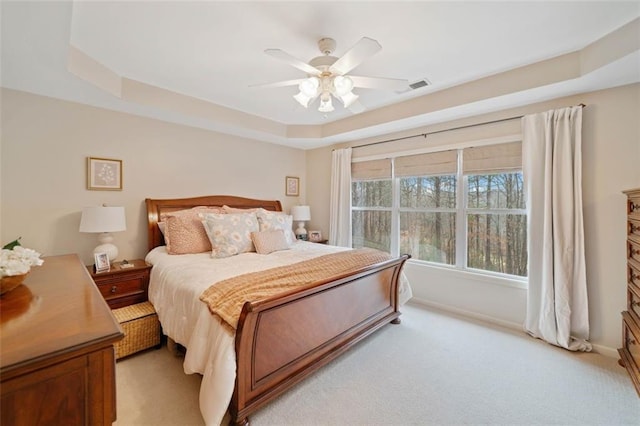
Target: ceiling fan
point(327, 75)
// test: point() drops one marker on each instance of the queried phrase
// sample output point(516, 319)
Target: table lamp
point(104, 220)
point(301, 214)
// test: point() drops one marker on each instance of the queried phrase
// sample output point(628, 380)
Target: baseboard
point(601, 349)
point(465, 313)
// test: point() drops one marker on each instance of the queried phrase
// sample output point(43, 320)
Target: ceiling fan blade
point(359, 52)
point(356, 107)
point(280, 83)
point(295, 62)
point(379, 83)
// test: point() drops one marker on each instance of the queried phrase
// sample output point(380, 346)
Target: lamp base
point(301, 233)
point(106, 246)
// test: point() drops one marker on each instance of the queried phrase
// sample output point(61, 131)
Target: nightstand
point(123, 286)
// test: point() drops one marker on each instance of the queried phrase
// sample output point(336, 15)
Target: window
point(463, 208)
point(371, 201)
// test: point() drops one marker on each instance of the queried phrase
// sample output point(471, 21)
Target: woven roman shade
point(501, 158)
point(374, 169)
point(433, 163)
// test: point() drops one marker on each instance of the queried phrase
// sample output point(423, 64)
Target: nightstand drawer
point(123, 286)
point(118, 288)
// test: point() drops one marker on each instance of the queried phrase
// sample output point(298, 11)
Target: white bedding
point(174, 290)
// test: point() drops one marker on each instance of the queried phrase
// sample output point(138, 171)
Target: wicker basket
point(141, 328)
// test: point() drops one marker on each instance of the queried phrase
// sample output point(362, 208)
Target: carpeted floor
point(433, 369)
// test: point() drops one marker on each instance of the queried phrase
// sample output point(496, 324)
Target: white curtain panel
point(557, 305)
point(340, 208)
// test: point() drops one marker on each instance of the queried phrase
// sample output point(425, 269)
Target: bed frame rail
point(281, 341)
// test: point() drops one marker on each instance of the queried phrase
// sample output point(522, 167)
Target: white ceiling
point(213, 51)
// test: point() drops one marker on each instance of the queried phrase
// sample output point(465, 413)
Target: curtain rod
point(443, 130)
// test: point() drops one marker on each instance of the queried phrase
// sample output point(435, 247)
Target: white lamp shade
point(102, 219)
point(301, 213)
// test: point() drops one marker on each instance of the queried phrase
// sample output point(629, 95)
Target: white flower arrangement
point(18, 260)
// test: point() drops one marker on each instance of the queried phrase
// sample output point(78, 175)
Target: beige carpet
point(434, 368)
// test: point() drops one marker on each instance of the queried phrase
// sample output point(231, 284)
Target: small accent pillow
point(269, 241)
point(184, 233)
point(228, 209)
point(230, 234)
point(270, 221)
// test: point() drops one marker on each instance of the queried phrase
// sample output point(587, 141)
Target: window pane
point(371, 193)
point(372, 229)
point(429, 236)
point(496, 191)
point(428, 192)
point(498, 243)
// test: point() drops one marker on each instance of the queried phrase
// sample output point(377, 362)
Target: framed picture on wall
point(104, 174)
point(292, 186)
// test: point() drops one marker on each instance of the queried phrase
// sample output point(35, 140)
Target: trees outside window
point(461, 215)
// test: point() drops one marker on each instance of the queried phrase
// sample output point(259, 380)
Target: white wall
point(611, 164)
point(45, 143)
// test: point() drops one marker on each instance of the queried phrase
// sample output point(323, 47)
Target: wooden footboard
point(280, 341)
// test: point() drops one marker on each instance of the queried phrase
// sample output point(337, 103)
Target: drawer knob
point(630, 341)
point(633, 229)
point(633, 207)
point(635, 303)
point(635, 251)
point(114, 289)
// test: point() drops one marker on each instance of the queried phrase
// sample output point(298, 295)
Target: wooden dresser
point(57, 362)
point(630, 351)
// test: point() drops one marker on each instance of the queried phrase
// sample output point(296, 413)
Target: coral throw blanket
point(226, 298)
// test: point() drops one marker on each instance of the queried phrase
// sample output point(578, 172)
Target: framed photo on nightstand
point(315, 236)
point(102, 262)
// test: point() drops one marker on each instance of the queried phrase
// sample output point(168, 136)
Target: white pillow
point(270, 221)
point(230, 234)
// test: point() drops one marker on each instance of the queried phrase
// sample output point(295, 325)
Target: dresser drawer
point(634, 300)
point(633, 229)
point(633, 273)
point(633, 250)
point(633, 206)
point(630, 351)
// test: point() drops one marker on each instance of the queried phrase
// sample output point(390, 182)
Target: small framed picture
point(292, 186)
point(102, 262)
point(104, 174)
point(315, 236)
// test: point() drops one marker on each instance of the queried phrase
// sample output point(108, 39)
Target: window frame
point(461, 211)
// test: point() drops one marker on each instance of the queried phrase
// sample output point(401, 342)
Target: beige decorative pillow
point(230, 234)
point(270, 221)
point(228, 209)
point(184, 233)
point(269, 241)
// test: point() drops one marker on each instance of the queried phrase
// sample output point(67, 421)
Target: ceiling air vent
point(416, 85)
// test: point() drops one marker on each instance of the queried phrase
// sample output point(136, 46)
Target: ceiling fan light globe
point(302, 99)
point(348, 99)
point(310, 86)
point(342, 85)
point(325, 104)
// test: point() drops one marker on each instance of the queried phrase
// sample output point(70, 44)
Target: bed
point(278, 340)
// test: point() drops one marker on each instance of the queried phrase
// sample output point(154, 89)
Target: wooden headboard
point(157, 207)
